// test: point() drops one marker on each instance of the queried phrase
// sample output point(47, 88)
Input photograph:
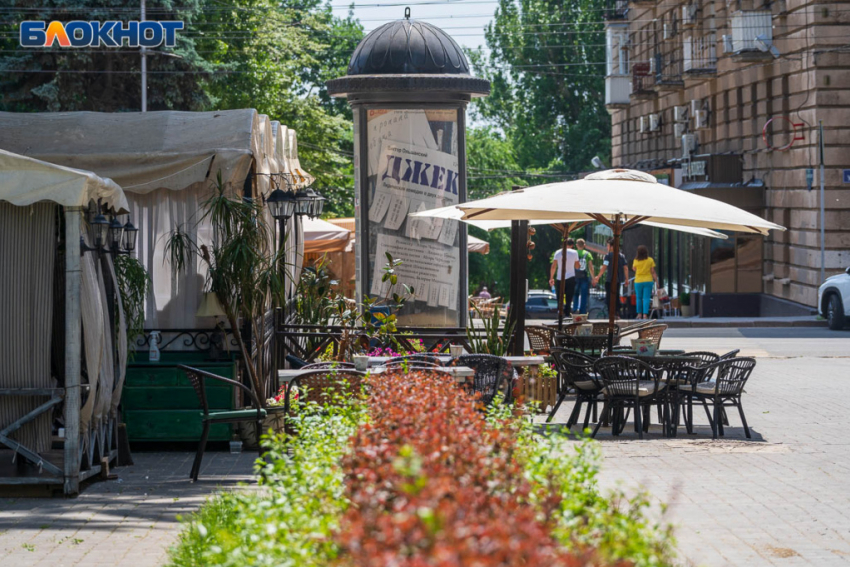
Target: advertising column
point(413, 166)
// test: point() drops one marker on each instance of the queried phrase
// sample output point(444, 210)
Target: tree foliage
point(274, 56)
point(105, 80)
point(546, 65)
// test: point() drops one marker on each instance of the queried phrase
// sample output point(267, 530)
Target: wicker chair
point(328, 365)
point(256, 414)
point(417, 357)
point(539, 339)
point(491, 374)
point(411, 364)
point(653, 333)
point(730, 354)
point(321, 386)
point(628, 384)
point(575, 372)
point(725, 391)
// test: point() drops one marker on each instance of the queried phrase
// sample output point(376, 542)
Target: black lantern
point(130, 235)
point(281, 204)
point(303, 202)
point(317, 204)
point(408, 84)
point(116, 231)
point(101, 229)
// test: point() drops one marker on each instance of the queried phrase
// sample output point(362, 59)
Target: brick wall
point(809, 82)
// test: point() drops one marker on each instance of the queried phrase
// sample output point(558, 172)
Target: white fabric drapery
point(27, 249)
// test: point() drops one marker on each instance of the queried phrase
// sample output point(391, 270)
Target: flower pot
point(274, 421)
point(686, 310)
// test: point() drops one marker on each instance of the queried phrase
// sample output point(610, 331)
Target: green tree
point(278, 63)
point(107, 80)
point(546, 65)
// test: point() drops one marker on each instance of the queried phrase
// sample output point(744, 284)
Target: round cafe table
point(668, 361)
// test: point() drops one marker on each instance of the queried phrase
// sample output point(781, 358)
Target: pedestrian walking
point(645, 279)
point(585, 269)
point(607, 260)
point(569, 274)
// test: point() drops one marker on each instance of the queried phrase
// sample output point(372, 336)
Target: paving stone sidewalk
point(130, 521)
point(782, 498)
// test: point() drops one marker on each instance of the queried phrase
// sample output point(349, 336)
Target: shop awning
point(25, 181)
point(748, 196)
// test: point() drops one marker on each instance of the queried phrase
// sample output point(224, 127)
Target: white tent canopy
point(141, 151)
point(322, 236)
point(25, 181)
point(608, 194)
point(166, 163)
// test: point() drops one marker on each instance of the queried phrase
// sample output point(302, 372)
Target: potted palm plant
point(243, 271)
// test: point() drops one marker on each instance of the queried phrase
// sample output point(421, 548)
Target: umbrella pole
point(613, 296)
point(561, 284)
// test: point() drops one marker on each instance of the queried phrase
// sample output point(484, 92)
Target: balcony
point(616, 9)
point(643, 82)
point(617, 91)
point(668, 71)
point(748, 27)
point(700, 59)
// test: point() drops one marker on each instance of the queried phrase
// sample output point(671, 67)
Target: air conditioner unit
point(701, 119)
point(747, 26)
point(654, 122)
point(726, 40)
point(679, 130)
point(644, 124)
point(689, 145)
point(680, 113)
point(696, 104)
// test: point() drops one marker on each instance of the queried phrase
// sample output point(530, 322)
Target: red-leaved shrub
point(432, 483)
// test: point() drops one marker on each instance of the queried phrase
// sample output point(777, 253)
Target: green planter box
point(159, 403)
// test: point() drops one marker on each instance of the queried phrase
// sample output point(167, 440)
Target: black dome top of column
point(408, 47)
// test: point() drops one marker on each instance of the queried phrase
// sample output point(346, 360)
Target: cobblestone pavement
point(129, 521)
point(782, 498)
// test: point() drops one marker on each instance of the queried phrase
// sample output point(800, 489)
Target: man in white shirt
point(569, 274)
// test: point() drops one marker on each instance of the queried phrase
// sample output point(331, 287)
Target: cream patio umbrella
point(617, 198)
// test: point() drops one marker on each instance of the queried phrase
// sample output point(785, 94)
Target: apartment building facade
point(726, 99)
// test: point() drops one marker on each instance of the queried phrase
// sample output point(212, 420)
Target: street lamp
point(317, 205)
point(114, 234)
point(131, 233)
point(303, 202)
point(101, 228)
point(281, 204)
point(308, 202)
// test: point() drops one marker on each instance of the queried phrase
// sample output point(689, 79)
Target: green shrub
point(290, 519)
point(415, 476)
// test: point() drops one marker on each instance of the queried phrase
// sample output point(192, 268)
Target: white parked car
point(834, 300)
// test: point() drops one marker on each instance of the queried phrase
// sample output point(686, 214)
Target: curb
point(707, 323)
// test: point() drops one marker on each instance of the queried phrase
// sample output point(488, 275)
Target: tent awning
point(25, 180)
point(321, 236)
point(477, 245)
point(143, 152)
